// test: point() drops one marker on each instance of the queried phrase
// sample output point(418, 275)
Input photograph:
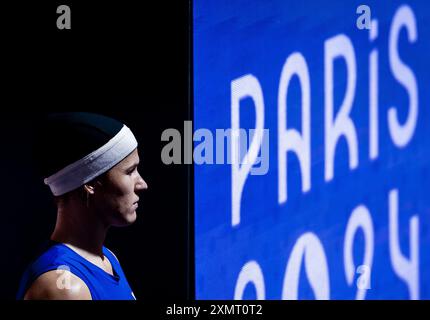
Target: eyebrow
point(134, 165)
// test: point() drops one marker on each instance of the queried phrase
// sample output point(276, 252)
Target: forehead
point(131, 159)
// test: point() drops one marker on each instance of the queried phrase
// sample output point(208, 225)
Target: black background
point(128, 60)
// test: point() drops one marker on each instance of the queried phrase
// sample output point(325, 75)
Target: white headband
point(94, 164)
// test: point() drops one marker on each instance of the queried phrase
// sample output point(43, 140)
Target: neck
point(81, 228)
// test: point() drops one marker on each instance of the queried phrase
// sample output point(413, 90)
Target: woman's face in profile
point(116, 197)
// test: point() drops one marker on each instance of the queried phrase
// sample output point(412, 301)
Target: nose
point(141, 184)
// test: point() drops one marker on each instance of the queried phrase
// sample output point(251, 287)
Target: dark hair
point(61, 139)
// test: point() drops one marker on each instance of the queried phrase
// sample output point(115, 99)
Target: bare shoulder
point(54, 285)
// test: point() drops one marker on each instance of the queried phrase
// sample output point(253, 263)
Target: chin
point(132, 218)
point(126, 220)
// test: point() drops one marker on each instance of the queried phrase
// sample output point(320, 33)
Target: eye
point(130, 172)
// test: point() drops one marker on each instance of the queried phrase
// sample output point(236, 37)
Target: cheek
point(121, 193)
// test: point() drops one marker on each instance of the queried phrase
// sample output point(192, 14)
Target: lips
point(135, 204)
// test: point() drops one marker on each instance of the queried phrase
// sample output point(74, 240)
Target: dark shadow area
point(125, 60)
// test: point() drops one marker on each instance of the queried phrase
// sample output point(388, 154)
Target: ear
point(89, 189)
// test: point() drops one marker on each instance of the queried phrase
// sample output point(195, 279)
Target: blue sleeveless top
point(102, 285)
